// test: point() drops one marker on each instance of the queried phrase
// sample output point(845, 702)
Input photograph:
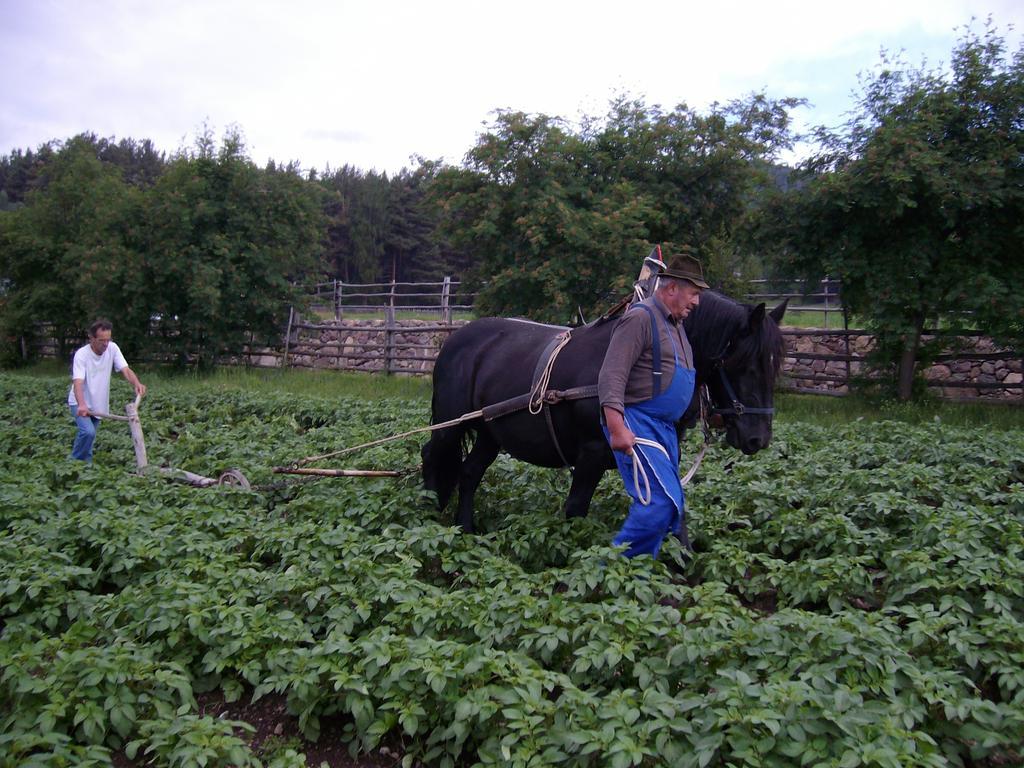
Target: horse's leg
point(442, 460)
point(485, 451)
point(590, 465)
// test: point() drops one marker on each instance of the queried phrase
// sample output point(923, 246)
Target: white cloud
point(371, 84)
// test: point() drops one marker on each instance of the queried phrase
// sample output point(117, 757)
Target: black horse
point(737, 353)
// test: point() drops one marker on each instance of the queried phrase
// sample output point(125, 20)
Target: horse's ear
point(778, 313)
point(756, 317)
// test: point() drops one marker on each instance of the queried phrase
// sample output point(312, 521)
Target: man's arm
point(128, 373)
point(79, 385)
point(624, 348)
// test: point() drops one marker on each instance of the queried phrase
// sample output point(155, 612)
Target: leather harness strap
point(554, 437)
point(551, 397)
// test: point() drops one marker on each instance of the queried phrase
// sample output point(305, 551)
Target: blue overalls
point(647, 525)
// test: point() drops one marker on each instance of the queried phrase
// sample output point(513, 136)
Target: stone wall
point(976, 369)
point(408, 346)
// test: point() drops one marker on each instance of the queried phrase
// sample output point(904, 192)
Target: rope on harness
point(706, 409)
point(640, 473)
point(540, 387)
point(431, 428)
point(488, 413)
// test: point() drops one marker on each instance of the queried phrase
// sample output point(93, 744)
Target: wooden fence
point(445, 298)
point(816, 298)
point(339, 299)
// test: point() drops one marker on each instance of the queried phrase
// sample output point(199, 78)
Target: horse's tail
point(442, 457)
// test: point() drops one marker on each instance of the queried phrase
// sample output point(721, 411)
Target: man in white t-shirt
point(91, 368)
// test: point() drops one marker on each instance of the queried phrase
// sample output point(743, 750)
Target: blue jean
point(82, 449)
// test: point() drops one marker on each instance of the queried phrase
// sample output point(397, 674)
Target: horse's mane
point(718, 324)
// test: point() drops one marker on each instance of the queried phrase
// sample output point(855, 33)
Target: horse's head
point(739, 364)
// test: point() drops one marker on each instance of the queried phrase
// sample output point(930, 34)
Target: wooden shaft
point(136, 428)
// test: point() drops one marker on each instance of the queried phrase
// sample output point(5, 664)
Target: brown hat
point(685, 267)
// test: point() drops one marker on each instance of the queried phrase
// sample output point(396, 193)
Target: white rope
point(640, 473)
point(541, 386)
point(431, 428)
point(705, 407)
point(696, 465)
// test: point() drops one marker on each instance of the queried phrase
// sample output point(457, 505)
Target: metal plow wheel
point(234, 478)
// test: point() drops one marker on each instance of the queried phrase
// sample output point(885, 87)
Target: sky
point(376, 84)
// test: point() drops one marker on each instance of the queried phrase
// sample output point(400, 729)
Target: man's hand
point(623, 440)
point(620, 436)
point(140, 388)
point(83, 409)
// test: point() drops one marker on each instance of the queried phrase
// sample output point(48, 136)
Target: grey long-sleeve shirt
point(625, 376)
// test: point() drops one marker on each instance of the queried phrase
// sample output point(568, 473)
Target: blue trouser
point(654, 420)
point(86, 436)
point(650, 520)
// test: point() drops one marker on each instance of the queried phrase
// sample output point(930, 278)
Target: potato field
point(856, 599)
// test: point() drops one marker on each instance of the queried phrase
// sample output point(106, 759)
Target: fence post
point(288, 336)
point(337, 299)
point(389, 330)
point(446, 311)
point(824, 284)
point(389, 339)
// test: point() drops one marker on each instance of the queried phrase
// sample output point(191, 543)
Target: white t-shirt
point(95, 370)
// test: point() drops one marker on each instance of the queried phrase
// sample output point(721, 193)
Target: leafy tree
point(225, 245)
point(18, 172)
point(358, 216)
point(140, 162)
point(210, 248)
point(380, 227)
point(59, 251)
point(412, 251)
point(918, 203)
point(556, 217)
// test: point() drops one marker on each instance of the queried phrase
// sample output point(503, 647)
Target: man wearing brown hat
point(645, 385)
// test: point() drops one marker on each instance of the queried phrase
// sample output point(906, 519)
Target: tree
point(18, 171)
point(556, 218)
point(380, 229)
point(140, 162)
point(59, 251)
point(225, 247)
point(918, 203)
point(357, 211)
point(211, 249)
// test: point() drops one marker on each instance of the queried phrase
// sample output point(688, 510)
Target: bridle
point(737, 408)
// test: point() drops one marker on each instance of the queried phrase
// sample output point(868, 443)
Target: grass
point(327, 384)
point(804, 319)
point(821, 410)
